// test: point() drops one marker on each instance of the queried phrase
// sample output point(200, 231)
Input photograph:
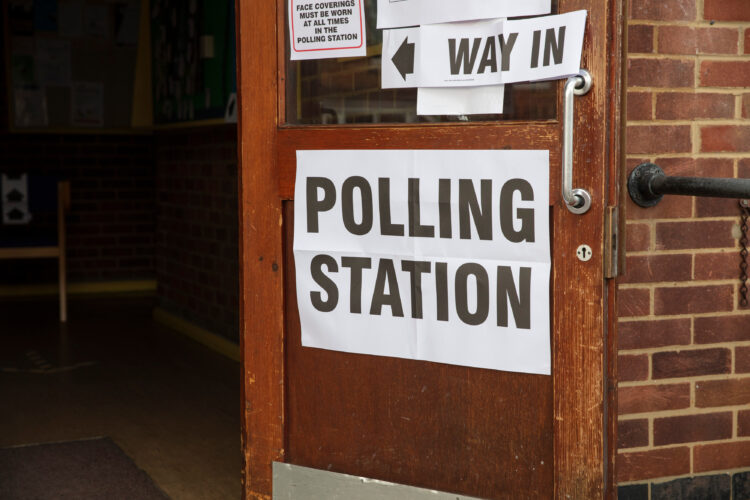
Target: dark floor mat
point(88, 469)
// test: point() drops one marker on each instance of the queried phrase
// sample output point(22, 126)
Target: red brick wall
point(111, 223)
point(197, 246)
point(684, 342)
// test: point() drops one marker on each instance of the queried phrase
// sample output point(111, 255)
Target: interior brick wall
point(684, 339)
point(111, 223)
point(197, 256)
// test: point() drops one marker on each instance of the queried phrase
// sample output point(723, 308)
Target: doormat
point(88, 469)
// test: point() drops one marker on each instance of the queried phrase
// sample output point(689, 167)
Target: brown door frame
point(584, 373)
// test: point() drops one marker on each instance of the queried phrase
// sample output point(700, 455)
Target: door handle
point(647, 185)
point(577, 200)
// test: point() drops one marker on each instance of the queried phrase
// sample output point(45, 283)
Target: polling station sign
point(479, 53)
point(430, 255)
point(321, 29)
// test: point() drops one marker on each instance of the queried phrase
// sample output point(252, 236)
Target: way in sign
point(485, 52)
point(462, 59)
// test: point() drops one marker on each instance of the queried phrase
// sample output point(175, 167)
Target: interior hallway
point(168, 402)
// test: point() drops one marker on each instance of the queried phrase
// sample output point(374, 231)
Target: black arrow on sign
point(14, 195)
point(403, 59)
point(15, 215)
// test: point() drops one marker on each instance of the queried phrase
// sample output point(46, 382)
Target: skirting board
point(83, 288)
point(195, 332)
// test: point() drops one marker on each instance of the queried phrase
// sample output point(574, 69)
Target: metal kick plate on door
point(293, 482)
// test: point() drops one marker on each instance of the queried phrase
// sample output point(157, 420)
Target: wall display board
point(71, 63)
point(193, 59)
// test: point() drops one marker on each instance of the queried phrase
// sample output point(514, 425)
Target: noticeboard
point(193, 59)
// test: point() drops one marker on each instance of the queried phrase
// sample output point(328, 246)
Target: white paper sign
point(52, 61)
point(87, 104)
point(460, 100)
point(15, 199)
point(432, 255)
point(70, 18)
point(321, 29)
point(399, 13)
point(30, 108)
point(484, 52)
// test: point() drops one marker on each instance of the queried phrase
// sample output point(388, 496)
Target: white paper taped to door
point(484, 52)
point(460, 100)
point(326, 29)
point(431, 255)
point(400, 13)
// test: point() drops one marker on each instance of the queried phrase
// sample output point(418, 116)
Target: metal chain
point(745, 215)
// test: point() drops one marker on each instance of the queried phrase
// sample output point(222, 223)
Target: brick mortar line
point(689, 23)
point(699, 58)
point(738, 107)
point(689, 444)
point(723, 218)
point(666, 479)
point(696, 143)
point(687, 379)
point(654, 317)
point(679, 413)
point(650, 373)
point(716, 314)
point(650, 432)
point(682, 122)
point(666, 253)
point(682, 250)
point(687, 89)
point(683, 412)
point(730, 344)
point(677, 284)
point(696, 83)
point(691, 459)
point(718, 155)
point(742, 41)
point(642, 449)
point(652, 301)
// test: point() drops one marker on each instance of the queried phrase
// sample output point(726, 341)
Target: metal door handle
point(647, 185)
point(577, 200)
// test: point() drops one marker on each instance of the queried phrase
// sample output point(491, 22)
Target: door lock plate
point(584, 253)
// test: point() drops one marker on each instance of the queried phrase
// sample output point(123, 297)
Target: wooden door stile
point(261, 254)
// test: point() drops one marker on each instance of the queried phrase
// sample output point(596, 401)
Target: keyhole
point(584, 253)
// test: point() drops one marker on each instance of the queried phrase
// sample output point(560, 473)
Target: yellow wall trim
point(79, 288)
point(195, 332)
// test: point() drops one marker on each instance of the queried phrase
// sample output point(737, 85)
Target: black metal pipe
point(647, 185)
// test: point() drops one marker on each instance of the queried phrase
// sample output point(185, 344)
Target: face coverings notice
point(321, 29)
point(429, 255)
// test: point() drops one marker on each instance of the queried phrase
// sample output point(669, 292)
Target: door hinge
point(611, 242)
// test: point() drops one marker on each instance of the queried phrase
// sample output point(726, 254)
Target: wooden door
point(464, 430)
